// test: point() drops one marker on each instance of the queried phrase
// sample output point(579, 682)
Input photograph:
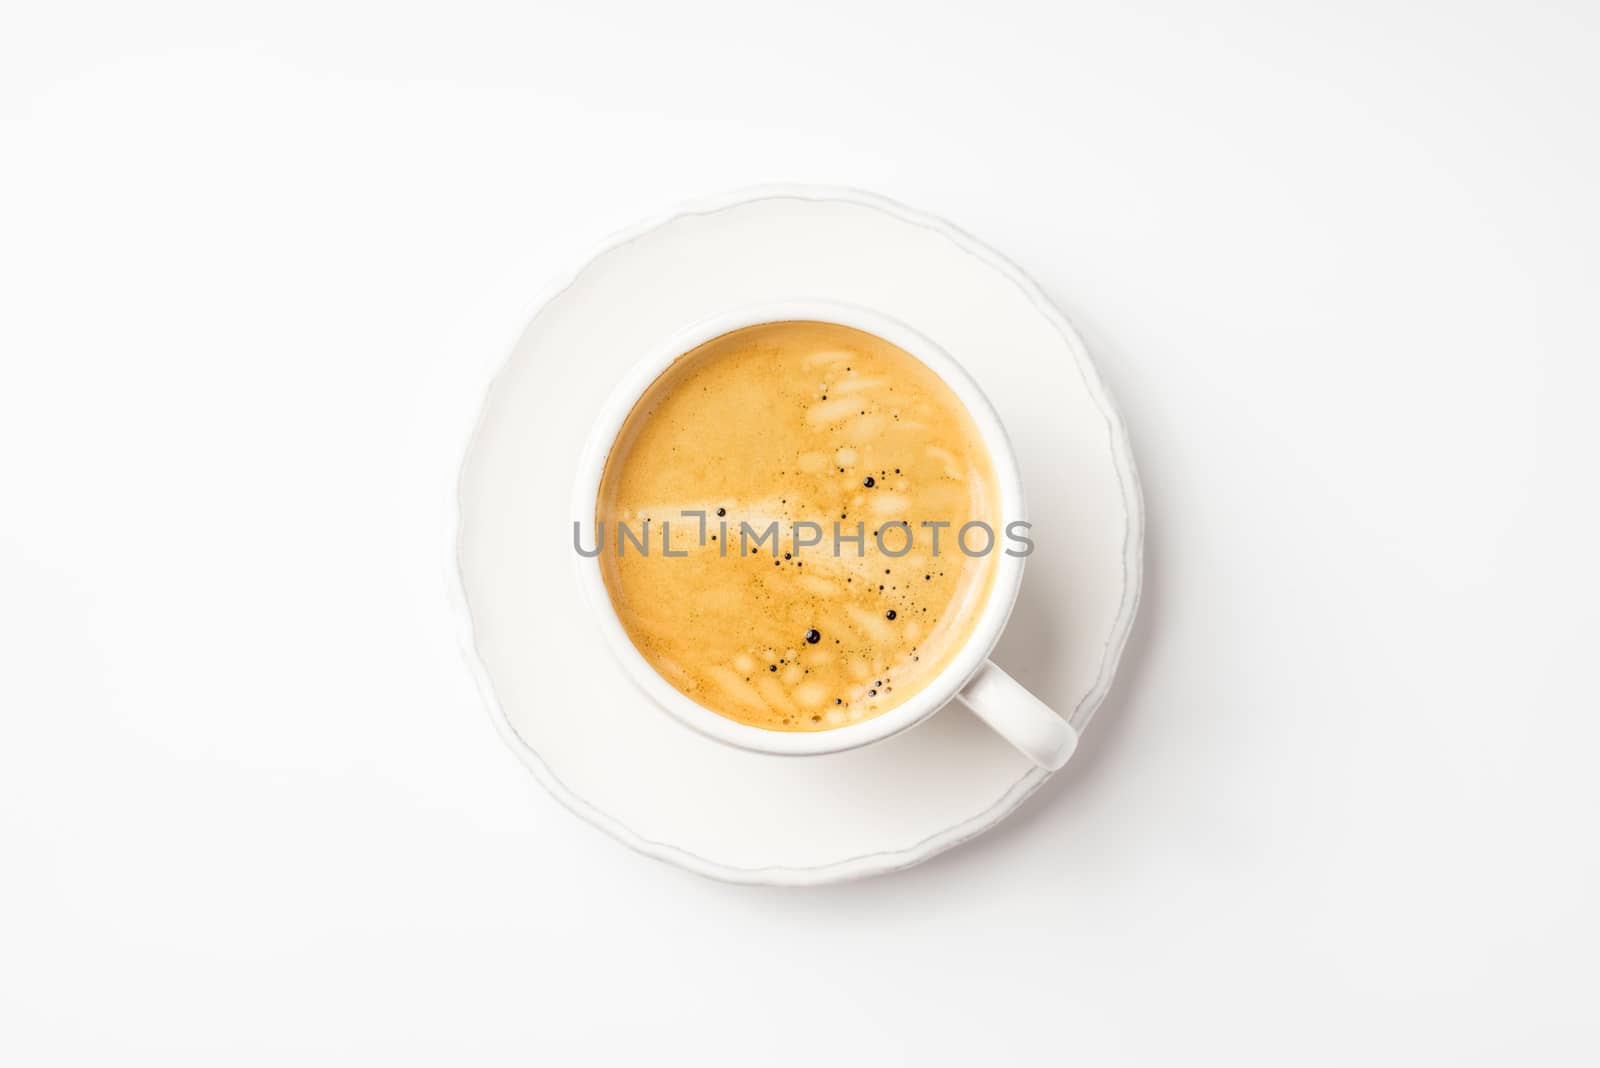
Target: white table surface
point(1338, 264)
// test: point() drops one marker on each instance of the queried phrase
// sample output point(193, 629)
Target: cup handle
point(1019, 717)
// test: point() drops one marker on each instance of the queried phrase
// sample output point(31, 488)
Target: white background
point(1338, 262)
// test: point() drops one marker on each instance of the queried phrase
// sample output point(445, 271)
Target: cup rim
point(991, 621)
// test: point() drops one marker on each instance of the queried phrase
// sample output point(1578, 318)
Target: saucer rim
point(878, 862)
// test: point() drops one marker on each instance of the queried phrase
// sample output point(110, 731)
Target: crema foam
point(803, 427)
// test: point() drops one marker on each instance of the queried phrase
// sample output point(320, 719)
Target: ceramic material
point(1021, 719)
point(554, 689)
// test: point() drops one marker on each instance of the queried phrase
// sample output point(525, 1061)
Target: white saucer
point(566, 707)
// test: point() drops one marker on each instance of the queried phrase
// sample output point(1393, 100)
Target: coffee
point(798, 525)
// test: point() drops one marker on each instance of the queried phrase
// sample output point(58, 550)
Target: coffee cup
point(966, 676)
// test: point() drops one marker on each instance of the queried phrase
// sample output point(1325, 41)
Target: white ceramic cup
point(970, 677)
